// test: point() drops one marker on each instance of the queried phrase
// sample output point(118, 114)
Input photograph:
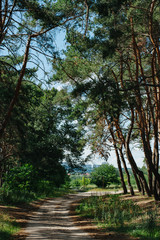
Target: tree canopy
point(104, 175)
point(111, 69)
point(115, 70)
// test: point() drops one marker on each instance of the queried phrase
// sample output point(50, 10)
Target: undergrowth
point(8, 226)
point(119, 215)
point(10, 197)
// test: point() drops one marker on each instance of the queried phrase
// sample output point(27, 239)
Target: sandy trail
point(53, 221)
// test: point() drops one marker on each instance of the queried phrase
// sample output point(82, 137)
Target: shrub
point(104, 175)
point(20, 179)
point(24, 184)
point(80, 181)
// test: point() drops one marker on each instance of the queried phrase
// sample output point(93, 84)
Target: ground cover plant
point(8, 226)
point(137, 216)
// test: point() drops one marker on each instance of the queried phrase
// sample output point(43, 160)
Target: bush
point(20, 179)
point(104, 175)
point(75, 182)
point(24, 184)
point(80, 181)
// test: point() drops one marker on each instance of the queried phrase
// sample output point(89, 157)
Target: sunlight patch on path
point(53, 221)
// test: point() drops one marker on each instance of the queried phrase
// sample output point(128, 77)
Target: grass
point(110, 210)
point(113, 189)
point(8, 226)
point(138, 230)
point(115, 214)
point(13, 198)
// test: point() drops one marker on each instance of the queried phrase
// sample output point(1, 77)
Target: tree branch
point(14, 99)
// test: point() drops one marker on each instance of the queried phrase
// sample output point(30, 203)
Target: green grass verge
point(13, 198)
point(136, 230)
point(124, 216)
point(8, 226)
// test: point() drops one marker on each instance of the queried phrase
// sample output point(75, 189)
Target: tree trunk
point(127, 172)
point(121, 173)
point(19, 83)
point(118, 162)
point(136, 179)
point(137, 171)
point(143, 192)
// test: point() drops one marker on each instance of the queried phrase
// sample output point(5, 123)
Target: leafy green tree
point(15, 133)
point(27, 30)
point(51, 137)
point(119, 44)
point(41, 132)
point(20, 179)
point(105, 175)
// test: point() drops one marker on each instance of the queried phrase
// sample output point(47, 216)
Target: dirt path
point(54, 220)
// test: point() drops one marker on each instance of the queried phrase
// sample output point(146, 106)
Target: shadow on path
point(53, 221)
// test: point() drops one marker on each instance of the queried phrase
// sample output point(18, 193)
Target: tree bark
point(118, 162)
point(126, 170)
point(19, 83)
point(137, 171)
point(121, 173)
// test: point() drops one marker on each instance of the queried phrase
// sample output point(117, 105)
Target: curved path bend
point(53, 220)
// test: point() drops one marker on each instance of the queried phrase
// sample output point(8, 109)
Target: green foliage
point(41, 132)
point(24, 184)
point(39, 135)
point(19, 184)
point(13, 138)
point(49, 13)
point(85, 181)
point(75, 182)
point(8, 226)
point(150, 222)
point(79, 181)
point(149, 228)
point(109, 82)
point(121, 216)
point(110, 210)
point(104, 175)
point(20, 179)
point(52, 136)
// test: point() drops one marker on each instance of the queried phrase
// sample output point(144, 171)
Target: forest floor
point(56, 219)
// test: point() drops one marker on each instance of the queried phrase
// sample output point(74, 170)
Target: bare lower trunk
point(121, 173)
point(143, 191)
point(137, 180)
point(137, 171)
point(1, 179)
point(118, 162)
point(127, 172)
